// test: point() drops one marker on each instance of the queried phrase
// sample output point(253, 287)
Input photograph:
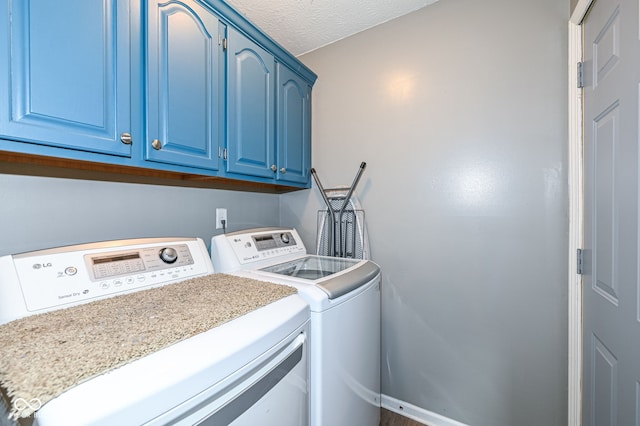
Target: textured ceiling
point(305, 25)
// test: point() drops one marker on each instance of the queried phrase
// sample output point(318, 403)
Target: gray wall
point(459, 110)
point(40, 212)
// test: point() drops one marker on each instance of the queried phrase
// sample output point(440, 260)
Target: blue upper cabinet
point(293, 132)
point(250, 108)
point(65, 74)
point(184, 124)
point(269, 110)
point(182, 89)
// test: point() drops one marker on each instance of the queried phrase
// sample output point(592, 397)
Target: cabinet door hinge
point(580, 71)
point(580, 262)
point(222, 41)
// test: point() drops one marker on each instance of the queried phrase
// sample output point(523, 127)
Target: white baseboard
point(416, 413)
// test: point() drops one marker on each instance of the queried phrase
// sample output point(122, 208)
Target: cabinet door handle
point(125, 138)
point(283, 170)
point(156, 144)
point(274, 168)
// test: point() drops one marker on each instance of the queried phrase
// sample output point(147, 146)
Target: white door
point(611, 339)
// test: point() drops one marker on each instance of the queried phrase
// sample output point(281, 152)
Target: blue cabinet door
point(183, 84)
point(250, 108)
point(65, 73)
point(294, 127)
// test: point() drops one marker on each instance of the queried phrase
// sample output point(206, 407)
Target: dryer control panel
point(46, 280)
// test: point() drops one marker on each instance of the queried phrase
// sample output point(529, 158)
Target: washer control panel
point(251, 247)
point(53, 278)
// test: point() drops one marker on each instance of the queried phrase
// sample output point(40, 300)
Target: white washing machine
point(344, 296)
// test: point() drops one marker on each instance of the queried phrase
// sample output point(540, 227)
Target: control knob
point(284, 238)
point(168, 255)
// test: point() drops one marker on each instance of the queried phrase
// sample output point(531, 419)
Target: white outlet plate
point(221, 214)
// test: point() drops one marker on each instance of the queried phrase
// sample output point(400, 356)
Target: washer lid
point(335, 276)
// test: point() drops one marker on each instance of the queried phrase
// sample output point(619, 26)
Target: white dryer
point(344, 296)
point(250, 370)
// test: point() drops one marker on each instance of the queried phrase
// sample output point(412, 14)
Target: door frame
point(576, 214)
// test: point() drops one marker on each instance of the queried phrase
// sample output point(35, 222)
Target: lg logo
point(42, 265)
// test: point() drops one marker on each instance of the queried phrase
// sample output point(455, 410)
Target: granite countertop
point(43, 355)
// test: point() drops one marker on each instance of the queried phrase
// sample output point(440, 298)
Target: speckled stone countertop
point(43, 355)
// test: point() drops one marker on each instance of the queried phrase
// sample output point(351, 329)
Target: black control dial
point(284, 238)
point(168, 255)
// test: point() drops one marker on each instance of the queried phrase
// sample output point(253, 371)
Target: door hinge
point(580, 262)
point(222, 41)
point(580, 71)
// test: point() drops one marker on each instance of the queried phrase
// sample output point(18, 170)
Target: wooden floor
point(389, 418)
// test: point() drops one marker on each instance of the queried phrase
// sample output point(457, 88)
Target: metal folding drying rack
point(342, 222)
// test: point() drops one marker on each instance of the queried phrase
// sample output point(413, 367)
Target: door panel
point(294, 127)
point(606, 47)
point(183, 86)
point(604, 140)
point(604, 390)
point(611, 365)
point(251, 104)
point(65, 72)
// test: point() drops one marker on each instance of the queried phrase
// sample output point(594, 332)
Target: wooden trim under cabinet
point(37, 165)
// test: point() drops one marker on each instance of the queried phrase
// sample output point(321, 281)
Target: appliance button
point(285, 238)
point(168, 255)
point(104, 285)
point(117, 283)
point(71, 270)
point(140, 278)
point(129, 280)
